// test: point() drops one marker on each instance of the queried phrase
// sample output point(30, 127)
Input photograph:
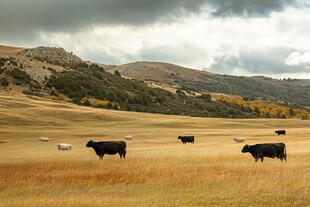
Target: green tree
point(256, 110)
point(117, 73)
point(292, 112)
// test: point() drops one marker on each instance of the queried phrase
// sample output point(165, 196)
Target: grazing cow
point(272, 150)
point(185, 139)
point(239, 139)
point(64, 146)
point(280, 132)
point(43, 139)
point(108, 147)
point(129, 137)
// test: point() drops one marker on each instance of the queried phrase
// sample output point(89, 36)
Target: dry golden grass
point(10, 49)
point(158, 170)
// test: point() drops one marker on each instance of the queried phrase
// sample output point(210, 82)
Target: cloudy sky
point(238, 37)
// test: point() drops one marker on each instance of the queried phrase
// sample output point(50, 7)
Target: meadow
point(158, 170)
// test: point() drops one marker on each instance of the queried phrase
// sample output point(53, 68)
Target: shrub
point(86, 103)
point(20, 77)
point(205, 96)
point(76, 101)
point(117, 73)
point(180, 93)
point(4, 82)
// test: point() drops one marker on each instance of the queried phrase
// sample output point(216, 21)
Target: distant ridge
point(9, 49)
point(159, 71)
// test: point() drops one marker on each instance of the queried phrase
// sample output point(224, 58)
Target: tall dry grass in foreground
point(158, 170)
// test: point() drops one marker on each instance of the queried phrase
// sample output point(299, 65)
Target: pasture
point(158, 170)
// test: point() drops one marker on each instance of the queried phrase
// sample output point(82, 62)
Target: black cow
point(272, 150)
point(185, 139)
point(280, 132)
point(108, 147)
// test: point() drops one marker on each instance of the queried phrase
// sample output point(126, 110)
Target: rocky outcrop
point(35, 72)
point(53, 55)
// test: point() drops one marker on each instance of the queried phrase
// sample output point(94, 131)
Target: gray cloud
point(23, 19)
point(248, 8)
point(267, 61)
point(19, 18)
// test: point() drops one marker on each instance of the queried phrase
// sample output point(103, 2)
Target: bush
point(76, 101)
point(117, 73)
point(20, 77)
point(180, 93)
point(86, 103)
point(4, 82)
point(205, 96)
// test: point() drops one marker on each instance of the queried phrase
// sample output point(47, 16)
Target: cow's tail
point(284, 152)
point(125, 151)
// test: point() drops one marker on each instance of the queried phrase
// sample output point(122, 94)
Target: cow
point(43, 139)
point(64, 146)
point(128, 137)
point(239, 139)
point(272, 150)
point(185, 139)
point(280, 132)
point(108, 147)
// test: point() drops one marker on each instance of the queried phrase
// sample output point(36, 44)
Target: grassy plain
point(158, 170)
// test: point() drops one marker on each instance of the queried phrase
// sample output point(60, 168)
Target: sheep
point(64, 146)
point(239, 139)
point(129, 137)
point(43, 139)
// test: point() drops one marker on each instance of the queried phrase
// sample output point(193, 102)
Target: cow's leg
point(256, 159)
point(280, 157)
point(124, 154)
point(262, 159)
point(100, 157)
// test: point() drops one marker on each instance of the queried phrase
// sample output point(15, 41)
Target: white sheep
point(129, 137)
point(239, 139)
point(64, 146)
point(43, 139)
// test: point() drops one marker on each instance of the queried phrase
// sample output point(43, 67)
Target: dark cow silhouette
point(280, 132)
point(108, 147)
point(185, 139)
point(272, 150)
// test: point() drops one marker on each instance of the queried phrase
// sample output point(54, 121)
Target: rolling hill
point(259, 87)
point(152, 87)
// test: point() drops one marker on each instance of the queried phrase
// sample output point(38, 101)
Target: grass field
point(158, 169)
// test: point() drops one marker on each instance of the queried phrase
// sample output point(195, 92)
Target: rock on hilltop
point(53, 55)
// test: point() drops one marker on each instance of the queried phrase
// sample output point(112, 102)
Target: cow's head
point(90, 143)
point(179, 137)
point(245, 149)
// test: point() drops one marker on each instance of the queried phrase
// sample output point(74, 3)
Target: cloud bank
point(244, 37)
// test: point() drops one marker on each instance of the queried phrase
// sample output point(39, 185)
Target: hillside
point(56, 74)
point(160, 72)
point(295, 91)
point(6, 50)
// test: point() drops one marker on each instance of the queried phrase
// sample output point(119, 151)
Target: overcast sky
point(238, 37)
